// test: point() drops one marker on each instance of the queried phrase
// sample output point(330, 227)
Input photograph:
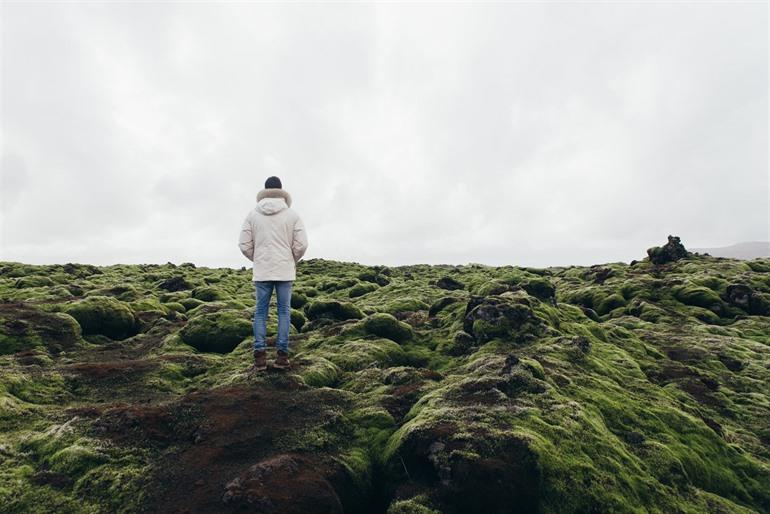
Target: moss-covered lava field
point(641, 387)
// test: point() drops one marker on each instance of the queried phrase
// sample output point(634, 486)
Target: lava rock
point(672, 251)
point(449, 283)
point(492, 317)
point(176, 283)
point(441, 304)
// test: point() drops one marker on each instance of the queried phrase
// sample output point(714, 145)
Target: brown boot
point(282, 360)
point(260, 362)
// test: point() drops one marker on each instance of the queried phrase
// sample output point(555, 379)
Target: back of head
point(273, 183)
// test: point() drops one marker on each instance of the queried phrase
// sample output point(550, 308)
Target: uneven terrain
point(641, 387)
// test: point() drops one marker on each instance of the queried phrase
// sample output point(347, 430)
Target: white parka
point(273, 237)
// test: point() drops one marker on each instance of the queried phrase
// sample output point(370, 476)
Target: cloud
point(502, 133)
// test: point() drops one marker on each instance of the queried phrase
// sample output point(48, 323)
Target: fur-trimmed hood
point(271, 201)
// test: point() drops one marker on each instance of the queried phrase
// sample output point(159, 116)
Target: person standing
point(273, 237)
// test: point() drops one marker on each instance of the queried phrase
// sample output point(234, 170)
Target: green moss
point(76, 459)
point(361, 289)
point(298, 300)
point(332, 309)
point(697, 295)
point(33, 281)
point(190, 303)
point(320, 372)
point(363, 353)
point(405, 305)
point(539, 287)
point(218, 332)
point(150, 305)
point(30, 329)
point(103, 315)
point(385, 325)
point(659, 405)
point(208, 294)
point(297, 319)
point(175, 307)
point(608, 303)
point(411, 506)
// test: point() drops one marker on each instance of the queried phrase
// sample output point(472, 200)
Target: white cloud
point(503, 133)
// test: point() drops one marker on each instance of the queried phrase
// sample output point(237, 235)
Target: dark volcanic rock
point(282, 484)
point(744, 297)
point(176, 283)
point(670, 252)
point(449, 283)
point(495, 316)
point(441, 304)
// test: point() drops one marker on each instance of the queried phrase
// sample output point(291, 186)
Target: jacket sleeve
point(299, 242)
point(246, 240)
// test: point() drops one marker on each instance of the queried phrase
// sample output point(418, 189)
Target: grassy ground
point(415, 389)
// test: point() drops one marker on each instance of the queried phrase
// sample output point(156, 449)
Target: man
point(273, 237)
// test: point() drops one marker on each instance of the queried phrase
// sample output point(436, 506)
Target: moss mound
point(104, 315)
point(332, 309)
point(208, 294)
point(26, 328)
point(217, 332)
point(387, 326)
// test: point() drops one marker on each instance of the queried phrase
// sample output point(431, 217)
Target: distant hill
point(748, 250)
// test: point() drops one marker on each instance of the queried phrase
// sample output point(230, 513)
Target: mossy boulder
point(609, 303)
point(386, 325)
point(337, 284)
point(362, 289)
point(104, 315)
point(375, 277)
point(540, 288)
point(461, 343)
point(298, 319)
point(190, 303)
point(33, 281)
point(441, 304)
point(123, 292)
point(76, 459)
point(405, 304)
point(25, 328)
point(298, 300)
point(175, 283)
point(744, 297)
point(216, 332)
point(175, 307)
point(700, 296)
point(487, 318)
point(150, 305)
point(449, 283)
point(332, 309)
point(359, 354)
point(672, 251)
point(208, 294)
point(411, 506)
point(320, 372)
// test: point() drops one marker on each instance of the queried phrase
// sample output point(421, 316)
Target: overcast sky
point(499, 133)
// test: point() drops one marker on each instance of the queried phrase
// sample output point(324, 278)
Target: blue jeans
point(263, 292)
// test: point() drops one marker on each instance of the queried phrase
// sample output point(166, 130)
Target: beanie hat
point(273, 183)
